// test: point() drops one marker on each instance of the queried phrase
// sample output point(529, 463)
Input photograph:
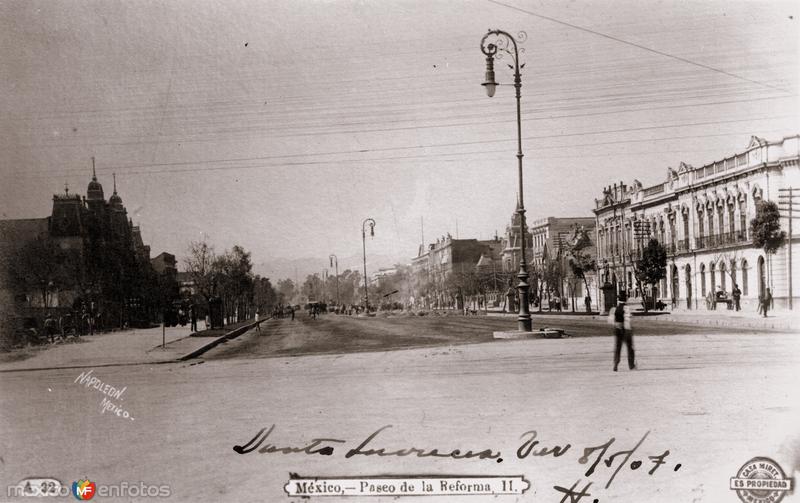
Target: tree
point(312, 288)
point(265, 298)
point(580, 260)
point(39, 266)
point(233, 278)
point(286, 291)
point(765, 230)
point(652, 266)
point(727, 261)
point(199, 264)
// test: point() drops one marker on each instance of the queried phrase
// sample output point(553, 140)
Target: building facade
point(512, 244)
point(553, 239)
point(445, 272)
point(702, 216)
point(87, 256)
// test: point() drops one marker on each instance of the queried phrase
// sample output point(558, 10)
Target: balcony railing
point(726, 238)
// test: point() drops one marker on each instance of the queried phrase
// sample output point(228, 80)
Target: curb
point(219, 340)
point(775, 323)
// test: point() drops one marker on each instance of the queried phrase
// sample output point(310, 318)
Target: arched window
point(732, 221)
point(722, 275)
point(712, 270)
point(688, 280)
point(710, 222)
point(733, 274)
point(700, 230)
point(744, 277)
point(703, 279)
point(743, 218)
point(686, 229)
point(676, 291)
point(673, 238)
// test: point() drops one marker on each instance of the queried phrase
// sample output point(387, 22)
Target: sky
point(280, 125)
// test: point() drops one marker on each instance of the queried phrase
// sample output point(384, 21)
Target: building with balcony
point(444, 272)
point(702, 216)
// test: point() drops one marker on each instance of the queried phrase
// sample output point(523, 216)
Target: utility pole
point(785, 202)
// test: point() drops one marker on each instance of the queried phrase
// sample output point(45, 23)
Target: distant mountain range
point(299, 268)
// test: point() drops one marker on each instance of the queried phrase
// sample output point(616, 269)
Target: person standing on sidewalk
point(737, 297)
point(766, 303)
point(620, 317)
point(258, 325)
point(193, 315)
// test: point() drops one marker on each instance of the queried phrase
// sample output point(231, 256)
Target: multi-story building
point(512, 244)
point(164, 264)
point(552, 239)
point(702, 216)
point(86, 255)
point(443, 270)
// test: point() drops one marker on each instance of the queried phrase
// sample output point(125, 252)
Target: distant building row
point(701, 215)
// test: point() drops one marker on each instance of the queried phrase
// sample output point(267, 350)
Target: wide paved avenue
point(714, 400)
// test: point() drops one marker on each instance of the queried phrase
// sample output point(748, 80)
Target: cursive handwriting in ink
point(588, 452)
point(658, 461)
point(628, 453)
point(420, 453)
point(315, 447)
point(574, 497)
point(526, 448)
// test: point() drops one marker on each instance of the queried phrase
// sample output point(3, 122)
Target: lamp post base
point(524, 319)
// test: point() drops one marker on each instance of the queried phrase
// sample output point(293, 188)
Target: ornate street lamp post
point(364, 246)
point(491, 43)
point(335, 263)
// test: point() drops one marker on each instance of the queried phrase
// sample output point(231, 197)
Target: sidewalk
point(776, 320)
point(127, 347)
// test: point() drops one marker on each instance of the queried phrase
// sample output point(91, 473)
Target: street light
point(503, 41)
point(364, 246)
point(335, 263)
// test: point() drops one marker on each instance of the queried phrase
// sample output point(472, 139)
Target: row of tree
point(229, 277)
point(109, 279)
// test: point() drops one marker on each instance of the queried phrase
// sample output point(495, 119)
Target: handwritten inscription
point(602, 458)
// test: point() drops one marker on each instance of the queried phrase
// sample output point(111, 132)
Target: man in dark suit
point(620, 317)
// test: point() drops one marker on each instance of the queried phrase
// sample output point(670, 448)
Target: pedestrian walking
point(766, 302)
point(291, 309)
point(620, 318)
point(258, 325)
point(193, 314)
point(50, 327)
point(737, 297)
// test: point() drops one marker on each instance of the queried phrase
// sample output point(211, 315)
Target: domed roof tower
point(95, 191)
point(115, 201)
